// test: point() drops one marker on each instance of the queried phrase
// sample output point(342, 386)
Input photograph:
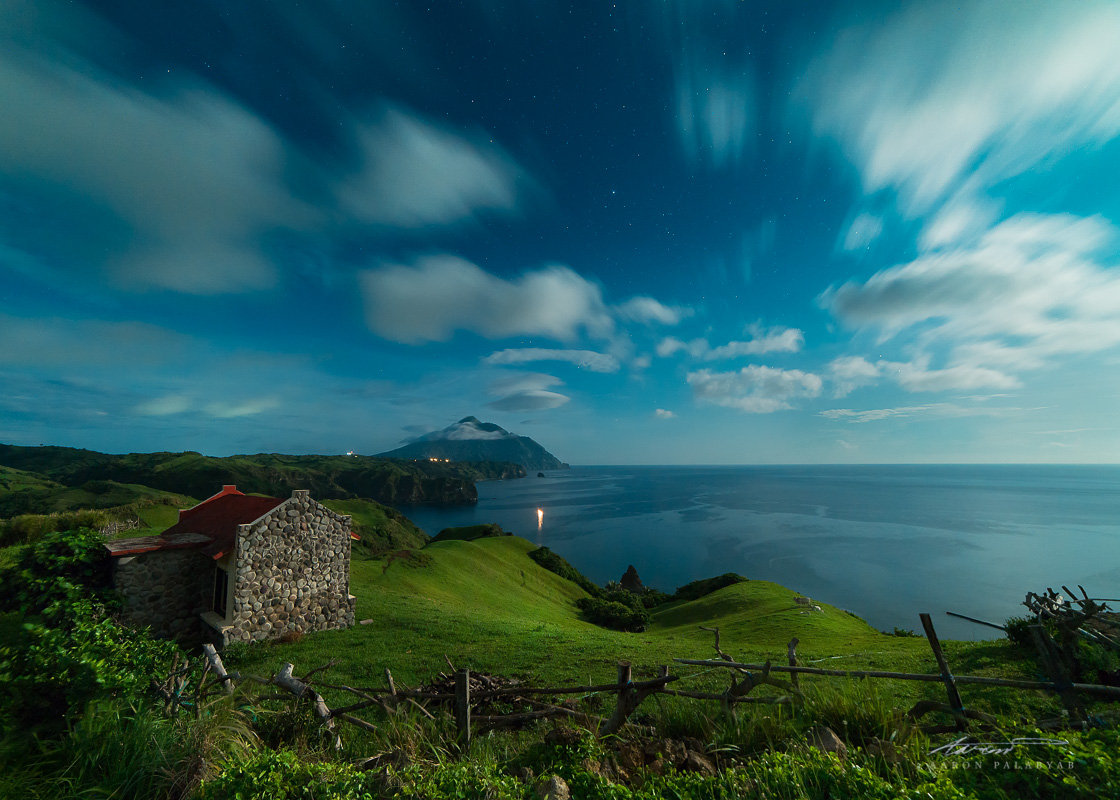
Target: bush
point(697, 589)
point(31, 528)
point(610, 614)
point(555, 563)
point(69, 650)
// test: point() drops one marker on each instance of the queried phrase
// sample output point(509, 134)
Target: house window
point(221, 588)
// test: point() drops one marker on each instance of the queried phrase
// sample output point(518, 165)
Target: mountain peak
point(470, 439)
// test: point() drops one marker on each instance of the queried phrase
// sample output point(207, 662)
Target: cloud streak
point(943, 98)
point(773, 340)
point(1030, 292)
point(415, 174)
point(754, 389)
point(429, 300)
point(584, 359)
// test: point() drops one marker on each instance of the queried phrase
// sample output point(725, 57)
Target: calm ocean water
point(885, 542)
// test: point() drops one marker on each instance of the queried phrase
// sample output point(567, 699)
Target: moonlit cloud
point(50, 341)
point(754, 389)
point(848, 373)
point(647, 310)
point(532, 400)
point(246, 408)
point(943, 98)
point(416, 174)
point(584, 359)
point(862, 231)
point(437, 295)
point(164, 406)
point(1029, 292)
point(194, 177)
point(526, 391)
point(932, 410)
point(773, 340)
point(715, 111)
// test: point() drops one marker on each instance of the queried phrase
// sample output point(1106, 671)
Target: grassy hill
point(485, 604)
point(392, 481)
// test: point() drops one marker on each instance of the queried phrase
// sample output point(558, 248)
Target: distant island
point(470, 439)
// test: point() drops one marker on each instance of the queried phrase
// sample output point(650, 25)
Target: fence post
point(625, 700)
point(463, 706)
point(1057, 670)
point(791, 651)
point(955, 701)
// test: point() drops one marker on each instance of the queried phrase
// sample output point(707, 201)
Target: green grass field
point(486, 605)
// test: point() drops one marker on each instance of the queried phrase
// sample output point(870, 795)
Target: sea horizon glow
point(689, 232)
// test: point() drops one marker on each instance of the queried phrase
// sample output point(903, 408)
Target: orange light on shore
point(540, 518)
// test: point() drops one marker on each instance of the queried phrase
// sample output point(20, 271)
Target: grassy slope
point(487, 606)
point(383, 529)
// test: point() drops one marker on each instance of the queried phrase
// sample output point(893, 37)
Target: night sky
point(671, 232)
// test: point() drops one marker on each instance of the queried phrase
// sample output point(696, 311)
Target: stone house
point(239, 568)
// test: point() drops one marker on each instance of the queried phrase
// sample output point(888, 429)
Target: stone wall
point(292, 572)
point(167, 590)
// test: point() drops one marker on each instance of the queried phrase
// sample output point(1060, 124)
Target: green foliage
point(30, 528)
point(284, 775)
point(382, 529)
point(469, 533)
point(558, 564)
point(338, 477)
point(903, 632)
point(1019, 634)
point(69, 652)
point(614, 615)
point(123, 748)
point(697, 589)
point(61, 567)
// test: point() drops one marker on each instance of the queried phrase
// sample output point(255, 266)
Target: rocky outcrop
point(631, 582)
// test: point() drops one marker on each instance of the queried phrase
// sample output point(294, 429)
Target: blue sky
point(688, 231)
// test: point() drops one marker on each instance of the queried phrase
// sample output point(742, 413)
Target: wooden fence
point(468, 690)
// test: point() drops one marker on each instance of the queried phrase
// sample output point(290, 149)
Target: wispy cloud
point(526, 391)
point(584, 359)
point(647, 310)
point(664, 413)
point(862, 231)
point(1029, 292)
point(430, 299)
point(193, 176)
point(245, 408)
point(932, 410)
point(772, 340)
point(755, 389)
point(416, 174)
point(848, 373)
point(943, 98)
point(164, 406)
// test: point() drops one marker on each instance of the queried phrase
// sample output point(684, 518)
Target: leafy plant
point(614, 615)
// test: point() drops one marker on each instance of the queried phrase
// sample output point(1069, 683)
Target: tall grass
point(122, 750)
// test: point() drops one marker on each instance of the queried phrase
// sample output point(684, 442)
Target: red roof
point(219, 517)
point(146, 544)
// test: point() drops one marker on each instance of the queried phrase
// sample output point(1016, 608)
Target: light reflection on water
point(885, 542)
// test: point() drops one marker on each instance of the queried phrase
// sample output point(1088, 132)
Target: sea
point(883, 542)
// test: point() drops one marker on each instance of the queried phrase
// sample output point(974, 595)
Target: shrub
point(555, 563)
point(610, 614)
point(697, 589)
point(69, 650)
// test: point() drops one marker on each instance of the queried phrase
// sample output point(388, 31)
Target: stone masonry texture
point(166, 590)
point(292, 572)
